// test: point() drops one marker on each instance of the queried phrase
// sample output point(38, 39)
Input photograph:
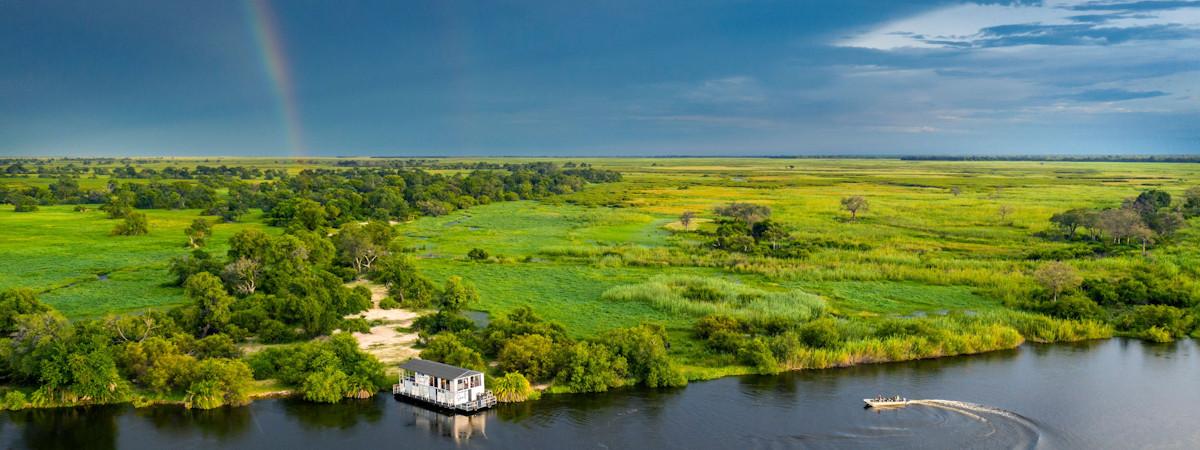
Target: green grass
point(62, 254)
point(518, 229)
point(700, 296)
point(568, 294)
point(898, 298)
point(927, 251)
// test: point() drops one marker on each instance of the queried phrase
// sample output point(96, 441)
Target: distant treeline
point(325, 196)
point(80, 167)
point(1060, 158)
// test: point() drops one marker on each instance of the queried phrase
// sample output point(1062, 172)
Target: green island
point(212, 281)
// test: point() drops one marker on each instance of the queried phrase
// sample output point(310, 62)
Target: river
point(1115, 394)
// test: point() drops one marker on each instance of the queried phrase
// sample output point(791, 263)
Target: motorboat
point(886, 402)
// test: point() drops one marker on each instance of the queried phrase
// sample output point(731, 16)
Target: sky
point(599, 78)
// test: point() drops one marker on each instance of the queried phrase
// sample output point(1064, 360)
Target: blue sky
point(614, 77)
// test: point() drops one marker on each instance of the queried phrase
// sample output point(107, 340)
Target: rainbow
point(262, 24)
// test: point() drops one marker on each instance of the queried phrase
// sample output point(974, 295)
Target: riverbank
point(261, 389)
point(1151, 384)
point(270, 389)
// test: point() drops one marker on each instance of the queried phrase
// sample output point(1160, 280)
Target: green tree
point(644, 349)
point(456, 295)
point(529, 354)
point(119, 204)
point(65, 189)
point(1191, 201)
point(324, 371)
point(197, 232)
point(1071, 220)
point(1120, 224)
point(361, 245)
point(403, 281)
point(747, 213)
point(210, 300)
point(250, 243)
point(325, 385)
point(217, 382)
point(478, 254)
point(520, 321)
point(590, 367)
point(771, 232)
point(855, 204)
point(448, 349)
point(1057, 277)
point(23, 203)
point(134, 224)
point(15, 302)
point(242, 274)
point(70, 363)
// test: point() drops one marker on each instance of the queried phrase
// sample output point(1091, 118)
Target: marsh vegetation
point(594, 275)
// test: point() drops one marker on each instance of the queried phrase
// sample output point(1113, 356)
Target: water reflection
point(343, 415)
point(457, 427)
point(221, 423)
point(91, 427)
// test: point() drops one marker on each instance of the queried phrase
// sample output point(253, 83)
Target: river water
point(1117, 394)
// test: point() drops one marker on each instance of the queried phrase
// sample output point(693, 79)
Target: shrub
point(590, 367)
point(442, 322)
point(520, 321)
point(1075, 307)
point(530, 354)
point(23, 203)
point(1175, 322)
point(274, 332)
point(134, 224)
point(449, 349)
point(644, 349)
point(758, 354)
point(356, 325)
point(1156, 334)
point(13, 400)
point(512, 387)
point(322, 371)
point(478, 254)
point(217, 382)
point(820, 333)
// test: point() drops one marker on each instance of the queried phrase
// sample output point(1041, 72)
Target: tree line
point(318, 197)
point(1149, 218)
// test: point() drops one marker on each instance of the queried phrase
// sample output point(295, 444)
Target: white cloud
point(963, 25)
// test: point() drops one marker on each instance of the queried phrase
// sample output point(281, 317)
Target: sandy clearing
point(385, 341)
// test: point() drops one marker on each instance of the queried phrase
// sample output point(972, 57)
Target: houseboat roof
point(437, 369)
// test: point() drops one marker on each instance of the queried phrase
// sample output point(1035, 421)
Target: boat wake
point(1013, 421)
point(968, 409)
point(936, 423)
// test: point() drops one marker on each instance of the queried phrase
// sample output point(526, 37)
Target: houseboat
point(443, 386)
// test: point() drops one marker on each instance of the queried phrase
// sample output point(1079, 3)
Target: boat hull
point(884, 403)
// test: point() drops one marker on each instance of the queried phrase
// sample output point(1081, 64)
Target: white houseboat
point(444, 386)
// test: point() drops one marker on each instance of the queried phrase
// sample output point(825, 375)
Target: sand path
point(384, 341)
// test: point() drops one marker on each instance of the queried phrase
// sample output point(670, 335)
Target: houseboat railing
point(487, 400)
